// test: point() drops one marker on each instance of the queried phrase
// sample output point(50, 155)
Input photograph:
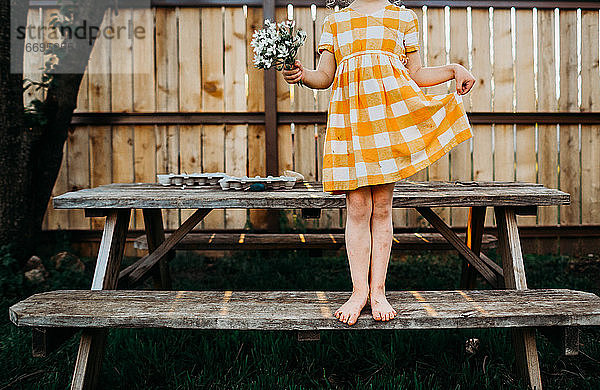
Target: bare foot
point(349, 311)
point(381, 308)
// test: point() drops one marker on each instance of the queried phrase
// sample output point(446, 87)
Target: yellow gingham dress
point(381, 127)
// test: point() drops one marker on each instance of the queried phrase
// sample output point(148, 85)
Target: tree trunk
point(30, 157)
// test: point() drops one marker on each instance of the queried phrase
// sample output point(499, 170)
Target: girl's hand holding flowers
point(464, 79)
point(294, 75)
point(276, 46)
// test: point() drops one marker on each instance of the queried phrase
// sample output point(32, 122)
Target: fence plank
point(525, 98)
point(236, 136)
point(78, 159)
point(213, 136)
point(190, 92)
point(590, 135)
point(547, 134)
point(285, 144)
point(256, 102)
point(570, 172)
point(436, 56)
point(167, 99)
point(483, 163)
point(503, 95)
point(122, 101)
point(99, 95)
point(460, 156)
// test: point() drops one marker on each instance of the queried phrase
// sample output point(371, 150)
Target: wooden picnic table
point(115, 201)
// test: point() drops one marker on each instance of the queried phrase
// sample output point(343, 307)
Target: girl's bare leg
point(381, 233)
point(358, 247)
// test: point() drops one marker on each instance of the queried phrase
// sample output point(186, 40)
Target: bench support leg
point(155, 235)
point(110, 254)
point(514, 277)
point(473, 240)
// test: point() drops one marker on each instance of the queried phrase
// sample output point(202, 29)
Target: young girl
point(381, 128)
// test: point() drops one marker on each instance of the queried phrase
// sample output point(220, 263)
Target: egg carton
point(192, 179)
point(269, 182)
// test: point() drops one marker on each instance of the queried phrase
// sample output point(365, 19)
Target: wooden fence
point(198, 59)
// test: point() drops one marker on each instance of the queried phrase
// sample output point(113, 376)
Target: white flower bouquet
point(276, 45)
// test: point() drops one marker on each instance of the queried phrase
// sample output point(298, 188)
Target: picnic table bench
point(55, 315)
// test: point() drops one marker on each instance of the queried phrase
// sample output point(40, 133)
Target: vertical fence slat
point(190, 90)
point(78, 159)
point(503, 95)
point(235, 100)
point(144, 151)
point(547, 136)
point(481, 98)
point(256, 133)
point(413, 218)
point(167, 99)
point(436, 55)
point(122, 101)
point(99, 95)
point(590, 134)
point(570, 172)
point(460, 156)
point(525, 97)
point(213, 136)
point(285, 144)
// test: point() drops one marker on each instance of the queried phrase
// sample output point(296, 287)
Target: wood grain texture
point(406, 194)
point(236, 136)
point(213, 89)
point(304, 310)
point(526, 157)
point(547, 134)
point(256, 102)
point(483, 163)
point(167, 98)
point(570, 153)
point(503, 95)
point(590, 135)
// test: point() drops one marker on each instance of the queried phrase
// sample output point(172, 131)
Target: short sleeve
point(326, 42)
point(411, 34)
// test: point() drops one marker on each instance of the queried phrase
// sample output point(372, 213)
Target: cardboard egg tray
point(193, 179)
point(270, 182)
point(225, 181)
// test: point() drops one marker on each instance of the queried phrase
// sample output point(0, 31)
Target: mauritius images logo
point(56, 36)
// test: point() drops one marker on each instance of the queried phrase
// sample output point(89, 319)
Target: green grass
point(185, 359)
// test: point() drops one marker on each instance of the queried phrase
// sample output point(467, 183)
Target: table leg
point(110, 254)
point(475, 227)
point(155, 235)
point(514, 277)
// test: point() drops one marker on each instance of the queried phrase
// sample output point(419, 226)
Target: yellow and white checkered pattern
point(381, 127)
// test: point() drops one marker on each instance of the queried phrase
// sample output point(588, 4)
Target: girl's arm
point(320, 78)
point(433, 75)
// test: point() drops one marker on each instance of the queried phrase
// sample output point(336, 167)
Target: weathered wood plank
point(405, 195)
point(220, 241)
point(304, 310)
point(475, 239)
